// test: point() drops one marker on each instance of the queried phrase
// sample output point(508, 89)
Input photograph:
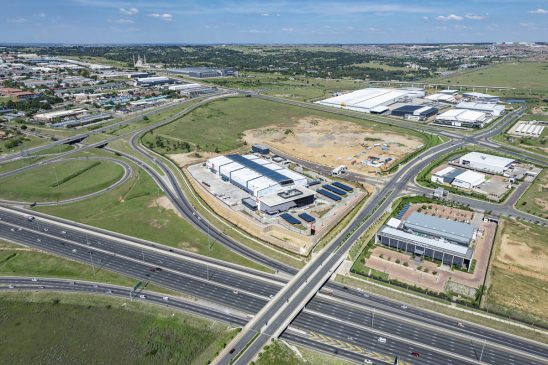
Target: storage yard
point(271, 201)
point(533, 129)
point(334, 143)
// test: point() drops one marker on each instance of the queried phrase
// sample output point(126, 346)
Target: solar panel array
point(271, 174)
point(334, 189)
point(329, 194)
point(343, 186)
point(307, 217)
point(290, 219)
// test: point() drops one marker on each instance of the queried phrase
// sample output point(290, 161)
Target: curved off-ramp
point(127, 173)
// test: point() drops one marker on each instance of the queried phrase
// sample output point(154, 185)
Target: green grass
point(77, 329)
point(26, 142)
point(225, 120)
point(527, 75)
point(60, 148)
point(515, 288)
point(131, 209)
point(75, 178)
point(533, 199)
point(278, 353)
point(17, 164)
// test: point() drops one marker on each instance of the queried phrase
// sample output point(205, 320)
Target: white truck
point(339, 170)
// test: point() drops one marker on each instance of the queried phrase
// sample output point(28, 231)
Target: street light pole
point(92, 265)
point(482, 348)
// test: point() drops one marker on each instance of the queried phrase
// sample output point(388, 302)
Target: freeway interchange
point(307, 308)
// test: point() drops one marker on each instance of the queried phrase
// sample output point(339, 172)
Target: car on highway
point(34, 279)
point(234, 292)
point(415, 354)
point(381, 340)
point(367, 361)
point(30, 218)
point(63, 232)
point(73, 250)
point(45, 229)
point(142, 296)
point(11, 286)
point(165, 298)
point(12, 229)
point(403, 307)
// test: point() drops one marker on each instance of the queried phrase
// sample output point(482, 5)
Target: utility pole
point(91, 259)
point(372, 317)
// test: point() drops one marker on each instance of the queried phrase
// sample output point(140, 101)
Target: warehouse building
point(491, 108)
point(203, 72)
point(418, 112)
point(153, 81)
point(441, 97)
point(58, 115)
point(461, 178)
point(370, 99)
point(257, 176)
point(462, 118)
point(487, 163)
point(481, 98)
point(424, 235)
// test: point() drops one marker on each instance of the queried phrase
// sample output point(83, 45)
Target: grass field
point(535, 199)
point(278, 353)
point(76, 329)
point(58, 181)
point(132, 209)
point(517, 275)
point(225, 121)
point(55, 149)
point(292, 87)
point(27, 142)
point(527, 75)
point(12, 165)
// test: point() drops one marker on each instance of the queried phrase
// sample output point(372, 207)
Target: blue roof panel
point(334, 189)
point(307, 217)
point(329, 194)
point(265, 171)
point(342, 186)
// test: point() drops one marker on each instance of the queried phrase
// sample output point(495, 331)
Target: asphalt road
point(219, 288)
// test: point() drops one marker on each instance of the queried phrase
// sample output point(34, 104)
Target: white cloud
point(539, 11)
point(425, 18)
point(288, 29)
point(18, 20)
point(121, 21)
point(164, 16)
point(42, 15)
point(265, 14)
point(474, 17)
point(442, 28)
point(255, 31)
point(462, 27)
point(130, 11)
point(449, 17)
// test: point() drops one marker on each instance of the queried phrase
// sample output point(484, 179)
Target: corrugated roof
point(271, 174)
point(440, 227)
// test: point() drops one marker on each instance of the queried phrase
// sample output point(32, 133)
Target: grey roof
point(440, 227)
point(438, 245)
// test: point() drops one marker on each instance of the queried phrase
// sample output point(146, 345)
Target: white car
point(142, 296)
point(11, 286)
point(74, 250)
point(234, 292)
point(381, 340)
point(63, 232)
point(367, 361)
point(165, 298)
point(34, 279)
point(404, 307)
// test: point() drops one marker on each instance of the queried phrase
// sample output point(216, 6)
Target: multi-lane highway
point(248, 290)
point(278, 302)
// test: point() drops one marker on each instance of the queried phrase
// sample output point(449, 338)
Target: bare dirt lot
point(185, 159)
point(333, 143)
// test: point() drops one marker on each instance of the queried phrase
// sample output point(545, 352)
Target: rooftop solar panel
point(271, 174)
point(307, 217)
point(290, 219)
point(329, 194)
point(334, 189)
point(342, 186)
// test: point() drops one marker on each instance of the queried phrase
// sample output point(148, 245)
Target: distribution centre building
point(370, 99)
point(491, 108)
point(414, 111)
point(487, 163)
point(462, 118)
point(424, 235)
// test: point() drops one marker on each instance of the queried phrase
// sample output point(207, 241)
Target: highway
point(252, 299)
point(251, 296)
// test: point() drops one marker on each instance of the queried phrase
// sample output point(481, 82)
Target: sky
point(281, 21)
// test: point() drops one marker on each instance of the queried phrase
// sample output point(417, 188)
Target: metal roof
point(261, 169)
point(440, 227)
point(438, 245)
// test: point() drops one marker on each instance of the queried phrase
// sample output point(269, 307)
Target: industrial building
point(82, 121)
point(442, 97)
point(191, 89)
point(532, 128)
point(481, 98)
point(370, 99)
point(418, 112)
point(487, 163)
point(424, 235)
point(58, 115)
point(491, 108)
point(462, 118)
point(466, 179)
point(274, 188)
point(153, 80)
point(203, 72)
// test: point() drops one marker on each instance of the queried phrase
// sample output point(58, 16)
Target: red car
point(415, 354)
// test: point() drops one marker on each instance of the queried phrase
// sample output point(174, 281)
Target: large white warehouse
point(493, 109)
point(484, 162)
point(365, 100)
point(257, 176)
point(462, 118)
